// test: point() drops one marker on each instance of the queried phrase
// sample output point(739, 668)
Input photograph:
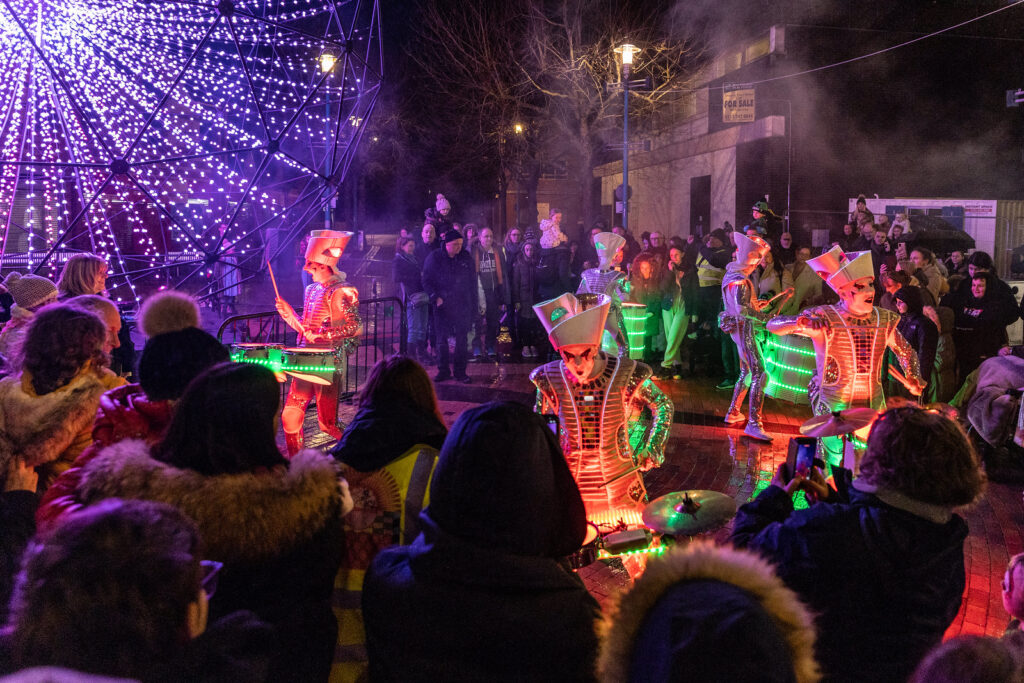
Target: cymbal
point(685, 513)
point(838, 422)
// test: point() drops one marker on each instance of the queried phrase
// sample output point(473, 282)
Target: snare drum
point(259, 353)
point(311, 363)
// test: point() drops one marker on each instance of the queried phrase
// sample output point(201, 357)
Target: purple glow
point(166, 134)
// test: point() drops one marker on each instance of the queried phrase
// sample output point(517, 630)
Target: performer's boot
point(753, 428)
point(293, 442)
point(735, 415)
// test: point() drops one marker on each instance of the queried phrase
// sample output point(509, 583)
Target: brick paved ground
point(704, 454)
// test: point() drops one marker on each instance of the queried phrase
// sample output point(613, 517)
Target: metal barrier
point(384, 334)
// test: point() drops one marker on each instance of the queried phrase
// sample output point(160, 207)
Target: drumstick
point(901, 378)
point(272, 280)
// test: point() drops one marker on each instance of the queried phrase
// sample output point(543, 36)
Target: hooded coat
point(50, 429)
point(382, 432)
point(885, 582)
point(482, 593)
point(697, 603)
point(278, 533)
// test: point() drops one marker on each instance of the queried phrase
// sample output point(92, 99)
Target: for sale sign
point(738, 106)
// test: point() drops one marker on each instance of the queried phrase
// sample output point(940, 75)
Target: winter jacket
point(13, 333)
point(886, 583)
point(923, 337)
point(498, 280)
point(943, 384)
point(979, 328)
point(380, 433)
point(525, 288)
point(696, 603)
point(123, 413)
point(50, 430)
point(453, 280)
point(278, 533)
point(553, 278)
point(424, 250)
point(406, 273)
point(482, 594)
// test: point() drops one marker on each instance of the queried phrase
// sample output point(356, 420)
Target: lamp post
point(626, 52)
point(327, 61)
point(518, 129)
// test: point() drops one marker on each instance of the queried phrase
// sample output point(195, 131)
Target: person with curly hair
point(648, 286)
point(881, 561)
point(47, 409)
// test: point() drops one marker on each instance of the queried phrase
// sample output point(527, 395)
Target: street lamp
point(625, 52)
point(327, 61)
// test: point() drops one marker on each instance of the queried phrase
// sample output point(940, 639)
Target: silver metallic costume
point(614, 284)
point(595, 420)
point(740, 319)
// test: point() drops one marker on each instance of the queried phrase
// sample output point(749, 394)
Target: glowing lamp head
point(518, 128)
point(626, 52)
point(327, 61)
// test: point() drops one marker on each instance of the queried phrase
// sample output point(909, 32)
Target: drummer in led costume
point(850, 339)
point(742, 312)
point(330, 317)
point(594, 394)
point(605, 279)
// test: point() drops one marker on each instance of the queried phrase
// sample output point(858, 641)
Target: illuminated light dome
point(172, 137)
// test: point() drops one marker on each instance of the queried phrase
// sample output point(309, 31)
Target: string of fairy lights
point(176, 138)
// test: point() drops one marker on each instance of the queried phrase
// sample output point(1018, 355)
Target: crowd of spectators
point(176, 543)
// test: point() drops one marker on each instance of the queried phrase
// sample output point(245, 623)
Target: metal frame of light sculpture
point(167, 135)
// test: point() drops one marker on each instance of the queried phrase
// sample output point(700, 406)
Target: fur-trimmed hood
point(241, 517)
point(40, 428)
point(706, 562)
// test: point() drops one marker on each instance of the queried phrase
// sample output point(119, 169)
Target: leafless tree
point(549, 65)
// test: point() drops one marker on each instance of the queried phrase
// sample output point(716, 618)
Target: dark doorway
point(700, 205)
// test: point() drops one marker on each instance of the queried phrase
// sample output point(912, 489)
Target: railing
point(384, 334)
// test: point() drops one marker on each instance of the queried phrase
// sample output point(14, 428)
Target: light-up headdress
point(607, 245)
point(572, 321)
point(828, 263)
point(745, 246)
point(839, 269)
point(857, 267)
point(327, 246)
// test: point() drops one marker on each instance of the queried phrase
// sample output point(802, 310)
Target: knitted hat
point(451, 235)
point(168, 311)
point(173, 359)
point(441, 204)
point(30, 291)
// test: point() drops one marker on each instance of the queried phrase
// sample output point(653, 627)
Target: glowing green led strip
point(784, 366)
point(281, 367)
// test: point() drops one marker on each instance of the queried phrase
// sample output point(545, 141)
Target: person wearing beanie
point(29, 293)
point(168, 311)
point(708, 613)
point(440, 215)
point(918, 329)
point(454, 293)
point(882, 562)
point(136, 411)
point(483, 593)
